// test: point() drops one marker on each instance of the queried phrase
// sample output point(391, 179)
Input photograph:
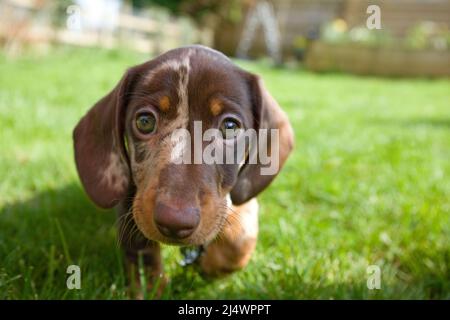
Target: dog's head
point(125, 145)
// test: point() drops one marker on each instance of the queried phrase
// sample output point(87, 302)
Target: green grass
point(368, 183)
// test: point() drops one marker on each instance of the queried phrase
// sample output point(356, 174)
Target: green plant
point(334, 32)
point(427, 35)
point(370, 38)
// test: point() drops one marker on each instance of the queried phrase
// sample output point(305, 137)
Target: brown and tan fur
point(119, 167)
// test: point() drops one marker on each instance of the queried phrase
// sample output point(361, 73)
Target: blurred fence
point(391, 61)
point(304, 18)
point(41, 22)
point(295, 17)
point(398, 16)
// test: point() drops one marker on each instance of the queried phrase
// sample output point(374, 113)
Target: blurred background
point(325, 35)
point(365, 85)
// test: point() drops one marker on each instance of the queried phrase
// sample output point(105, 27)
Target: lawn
point(367, 184)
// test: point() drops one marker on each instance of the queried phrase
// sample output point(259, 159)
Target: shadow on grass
point(60, 216)
point(42, 236)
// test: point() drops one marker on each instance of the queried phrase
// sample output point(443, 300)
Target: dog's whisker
point(120, 226)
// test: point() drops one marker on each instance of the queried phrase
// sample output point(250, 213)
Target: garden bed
point(390, 61)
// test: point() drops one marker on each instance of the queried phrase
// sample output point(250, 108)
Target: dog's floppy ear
point(268, 115)
point(100, 155)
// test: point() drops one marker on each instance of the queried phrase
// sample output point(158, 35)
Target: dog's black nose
point(176, 221)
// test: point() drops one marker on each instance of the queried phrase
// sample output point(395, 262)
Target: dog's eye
point(229, 128)
point(146, 122)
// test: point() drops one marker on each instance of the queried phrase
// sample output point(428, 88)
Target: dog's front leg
point(232, 250)
point(143, 259)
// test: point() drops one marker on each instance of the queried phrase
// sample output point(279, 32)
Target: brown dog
point(123, 153)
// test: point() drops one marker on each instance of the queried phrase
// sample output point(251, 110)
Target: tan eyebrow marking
point(164, 103)
point(216, 106)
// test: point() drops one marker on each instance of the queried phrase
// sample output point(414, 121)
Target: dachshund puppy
point(126, 157)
